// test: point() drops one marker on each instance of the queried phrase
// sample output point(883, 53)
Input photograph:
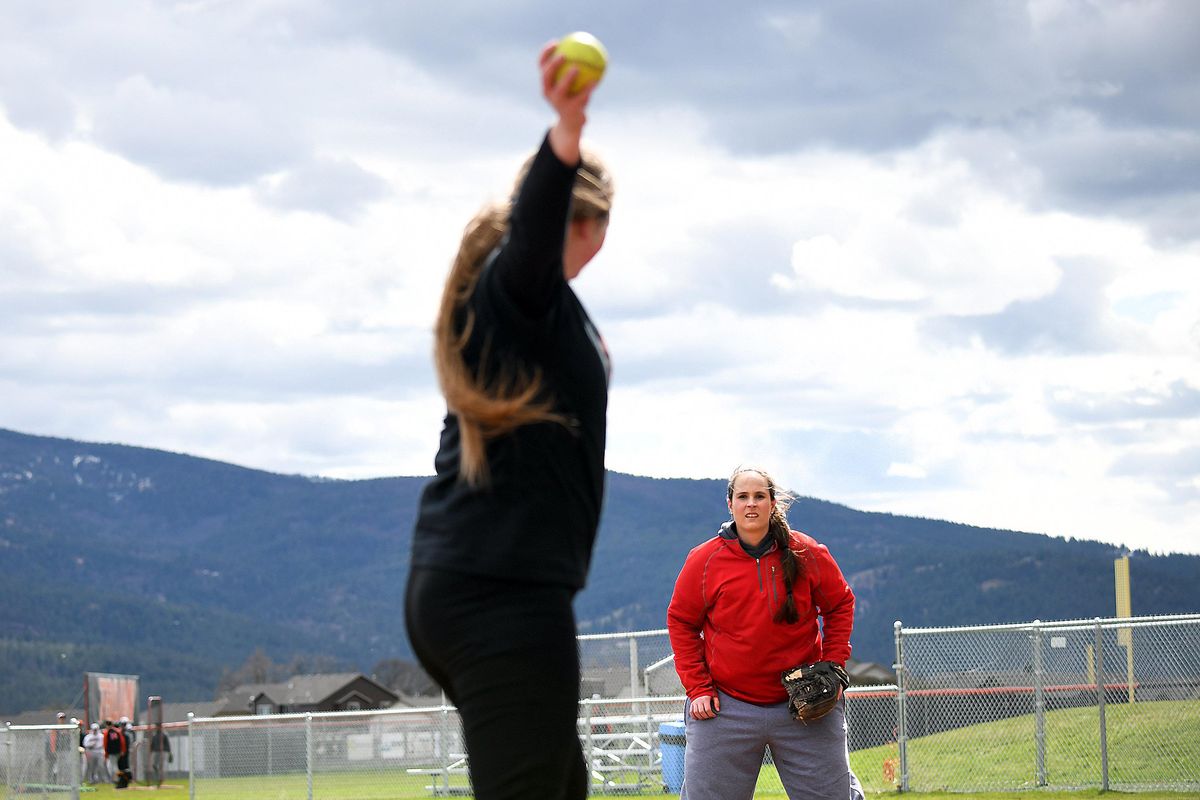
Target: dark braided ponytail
point(779, 530)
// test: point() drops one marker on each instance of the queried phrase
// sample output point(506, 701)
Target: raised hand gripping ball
point(584, 51)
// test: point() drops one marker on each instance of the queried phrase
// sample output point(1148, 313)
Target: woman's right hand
point(705, 707)
point(571, 108)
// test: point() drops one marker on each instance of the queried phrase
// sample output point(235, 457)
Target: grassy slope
point(1148, 744)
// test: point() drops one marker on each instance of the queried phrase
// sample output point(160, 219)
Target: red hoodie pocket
point(712, 656)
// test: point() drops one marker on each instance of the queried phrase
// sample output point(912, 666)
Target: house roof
point(869, 672)
point(177, 712)
point(40, 717)
point(299, 690)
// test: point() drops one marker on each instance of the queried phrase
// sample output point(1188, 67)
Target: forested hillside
point(123, 559)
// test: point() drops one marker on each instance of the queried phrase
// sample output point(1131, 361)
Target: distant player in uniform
point(58, 745)
point(160, 755)
point(504, 534)
point(93, 748)
point(114, 748)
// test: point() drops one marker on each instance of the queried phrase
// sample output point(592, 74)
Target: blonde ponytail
point(487, 409)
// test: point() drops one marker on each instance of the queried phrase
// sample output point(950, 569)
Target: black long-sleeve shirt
point(536, 519)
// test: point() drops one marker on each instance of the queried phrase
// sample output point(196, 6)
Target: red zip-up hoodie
point(731, 598)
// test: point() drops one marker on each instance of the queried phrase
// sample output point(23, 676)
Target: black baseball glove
point(813, 689)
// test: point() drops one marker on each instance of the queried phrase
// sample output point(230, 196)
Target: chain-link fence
point(378, 754)
point(622, 744)
point(626, 749)
point(367, 754)
point(623, 665)
point(1084, 704)
point(1107, 703)
point(634, 664)
point(631, 692)
point(42, 760)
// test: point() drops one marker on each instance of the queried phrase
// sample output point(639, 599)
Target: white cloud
point(336, 187)
point(897, 276)
point(899, 470)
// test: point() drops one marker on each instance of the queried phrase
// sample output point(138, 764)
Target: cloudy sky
point(931, 258)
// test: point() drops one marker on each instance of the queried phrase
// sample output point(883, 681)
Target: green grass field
point(1149, 744)
point(407, 789)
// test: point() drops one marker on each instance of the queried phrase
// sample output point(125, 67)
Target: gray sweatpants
point(725, 754)
point(96, 771)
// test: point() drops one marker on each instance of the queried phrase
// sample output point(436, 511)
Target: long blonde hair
point(487, 409)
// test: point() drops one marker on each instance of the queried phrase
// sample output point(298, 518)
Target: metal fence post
point(1100, 696)
point(218, 768)
point(1039, 702)
point(901, 708)
point(77, 772)
point(191, 765)
point(589, 756)
point(445, 745)
point(633, 671)
point(308, 752)
point(8, 745)
point(650, 736)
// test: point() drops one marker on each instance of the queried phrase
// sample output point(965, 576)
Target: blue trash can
point(671, 742)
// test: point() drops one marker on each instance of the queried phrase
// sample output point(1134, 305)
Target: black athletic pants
point(506, 655)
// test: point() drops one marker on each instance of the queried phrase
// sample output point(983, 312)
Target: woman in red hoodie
point(745, 609)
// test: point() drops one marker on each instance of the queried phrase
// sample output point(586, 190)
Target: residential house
point(299, 694)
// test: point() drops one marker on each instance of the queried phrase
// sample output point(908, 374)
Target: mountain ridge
point(125, 559)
